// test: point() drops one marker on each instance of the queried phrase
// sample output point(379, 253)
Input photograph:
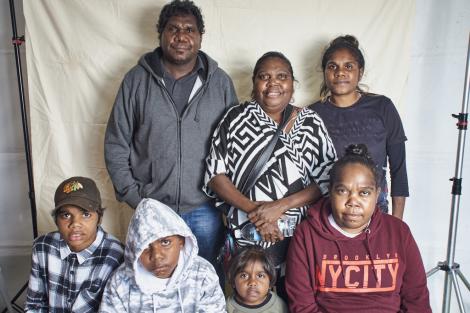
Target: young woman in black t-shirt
point(353, 116)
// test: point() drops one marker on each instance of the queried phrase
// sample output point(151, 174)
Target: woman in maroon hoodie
point(348, 256)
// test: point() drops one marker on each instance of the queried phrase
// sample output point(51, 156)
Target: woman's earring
point(292, 100)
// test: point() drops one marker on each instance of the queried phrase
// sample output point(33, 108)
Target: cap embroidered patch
point(72, 186)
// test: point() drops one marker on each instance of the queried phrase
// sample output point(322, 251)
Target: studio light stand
point(452, 269)
point(17, 42)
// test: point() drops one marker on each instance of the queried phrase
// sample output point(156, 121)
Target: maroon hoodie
point(380, 270)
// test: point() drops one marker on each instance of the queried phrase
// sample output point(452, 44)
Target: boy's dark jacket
point(329, 272)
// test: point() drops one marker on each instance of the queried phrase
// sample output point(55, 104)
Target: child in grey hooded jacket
point(146, 283)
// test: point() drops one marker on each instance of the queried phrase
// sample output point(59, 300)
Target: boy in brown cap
point(71, 266)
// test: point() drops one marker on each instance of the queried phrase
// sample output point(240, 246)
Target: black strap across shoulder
point(263, 157)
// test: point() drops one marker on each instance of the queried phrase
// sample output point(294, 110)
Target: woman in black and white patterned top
point(296, 174)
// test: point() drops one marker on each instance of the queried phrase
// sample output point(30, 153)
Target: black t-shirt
point(374, 121)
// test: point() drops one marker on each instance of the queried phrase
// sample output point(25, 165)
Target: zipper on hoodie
point(180, 139)
point(180, 156)
point(179, 135)
point(179, 121)
point(178, 130)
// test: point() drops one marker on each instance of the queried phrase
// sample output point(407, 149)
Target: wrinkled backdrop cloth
point(78, 52)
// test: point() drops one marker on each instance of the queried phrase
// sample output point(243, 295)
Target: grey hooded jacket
point(192, 288)
point(153, 152)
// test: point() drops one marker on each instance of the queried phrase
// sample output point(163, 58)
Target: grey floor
point(15, 270)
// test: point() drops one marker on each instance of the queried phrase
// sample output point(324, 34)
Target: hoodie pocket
point(150, 187)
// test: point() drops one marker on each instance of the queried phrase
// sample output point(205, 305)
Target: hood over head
point(153, 220)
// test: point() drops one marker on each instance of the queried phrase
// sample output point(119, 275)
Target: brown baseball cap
point(78, 191)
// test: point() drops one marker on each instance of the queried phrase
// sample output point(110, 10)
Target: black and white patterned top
point(301, 157)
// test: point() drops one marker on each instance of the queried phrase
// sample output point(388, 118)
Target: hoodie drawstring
point(180, 300)
point(154, 304)
point(197, 115)
point(340, 259)
point(142, 117)
point(367, 244)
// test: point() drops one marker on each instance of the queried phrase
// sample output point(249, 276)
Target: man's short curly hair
point(179, 8)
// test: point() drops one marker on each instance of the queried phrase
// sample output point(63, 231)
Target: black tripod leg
point(4, 294)
point(17, 41)
point(18, 294)
point(17, 308)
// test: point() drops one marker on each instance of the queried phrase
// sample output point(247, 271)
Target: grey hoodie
point(194, 285)
point(153, 152)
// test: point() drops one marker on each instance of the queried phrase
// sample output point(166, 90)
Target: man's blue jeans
point(206, 224)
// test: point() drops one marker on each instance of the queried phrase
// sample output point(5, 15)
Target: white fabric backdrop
point(78, 52)
point(435, 85)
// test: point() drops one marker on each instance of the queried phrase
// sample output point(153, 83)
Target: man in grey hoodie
point(159, 129)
